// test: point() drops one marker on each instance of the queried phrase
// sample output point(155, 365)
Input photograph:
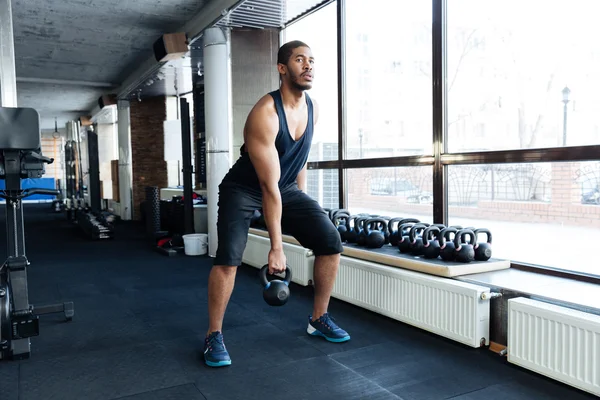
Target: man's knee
point(225, 269)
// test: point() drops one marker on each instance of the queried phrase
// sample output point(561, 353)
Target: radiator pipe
point(490, 295)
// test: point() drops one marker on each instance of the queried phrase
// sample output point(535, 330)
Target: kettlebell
point(350, 231)
point(375, 229)
point(463, 251)
point(403, 239)
point(483, 250)
point(393, 230)
point(339, 220)
point(446, 244)
point(275, 292)
point(361, 238)
point(416, 239)
point(431, 245)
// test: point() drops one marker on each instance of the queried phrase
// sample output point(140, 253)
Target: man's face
point(300, 68)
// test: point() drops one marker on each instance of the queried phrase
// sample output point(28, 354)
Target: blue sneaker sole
point(218, 364)
point(334, 340)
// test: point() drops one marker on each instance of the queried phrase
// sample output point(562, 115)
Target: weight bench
point(20, 158)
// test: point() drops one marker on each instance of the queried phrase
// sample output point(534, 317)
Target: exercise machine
point(20, 158)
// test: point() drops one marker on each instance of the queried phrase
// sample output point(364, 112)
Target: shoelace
point(210, 341)
point(329, 322)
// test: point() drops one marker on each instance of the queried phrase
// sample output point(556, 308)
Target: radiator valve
point(490, 295)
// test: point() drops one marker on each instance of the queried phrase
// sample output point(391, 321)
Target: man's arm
point(259, 136)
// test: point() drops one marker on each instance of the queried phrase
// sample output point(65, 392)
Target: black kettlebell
point(431, 245)
point(275, 292)
point(361, 238)
point(351, 234)
point(416, 241)
point(447, 244)
point(395, 231)
point(483, 250)
point(463, 250)
point(404, 238)
point(375, 229)
point(339, 220)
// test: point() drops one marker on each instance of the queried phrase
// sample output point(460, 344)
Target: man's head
point(295, 63)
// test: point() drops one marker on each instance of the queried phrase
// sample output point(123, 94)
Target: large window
point(394, 192)
point(509, 85)
point(538, 213)
point(522, 74)
point(323, 186)
point(319, 31)
point(388, 78)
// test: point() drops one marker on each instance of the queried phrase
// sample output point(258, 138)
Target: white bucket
point(195, 244)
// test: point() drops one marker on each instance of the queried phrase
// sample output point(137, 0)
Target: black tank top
point(292, 154)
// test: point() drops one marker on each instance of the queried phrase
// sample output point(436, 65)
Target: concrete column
point(125, 175)
point(8, 75)
point(218, 116)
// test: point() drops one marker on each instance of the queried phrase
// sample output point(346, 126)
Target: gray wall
point(253, 74)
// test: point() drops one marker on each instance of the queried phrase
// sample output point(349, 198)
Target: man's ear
point(282, 69)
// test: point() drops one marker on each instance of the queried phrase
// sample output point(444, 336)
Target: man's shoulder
point(265, 106)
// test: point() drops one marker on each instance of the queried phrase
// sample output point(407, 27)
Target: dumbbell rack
point(95, 227)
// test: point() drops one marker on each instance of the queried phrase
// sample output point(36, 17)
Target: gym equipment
point(351, 234)
point(375, 232)
point(275, 292)
point(361, 237)
point(447, 244)
point(394, 233)
point(340, 218)
point(20, 158)
point(416, 242)
point(97, 225)
point(403, 238)
point(483, 250)
point(463, 251)
point(431, 245)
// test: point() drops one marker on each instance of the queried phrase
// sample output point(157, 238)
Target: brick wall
point(147, 147)
point(564, 207)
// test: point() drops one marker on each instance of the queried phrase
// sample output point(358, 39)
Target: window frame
point(440, 158)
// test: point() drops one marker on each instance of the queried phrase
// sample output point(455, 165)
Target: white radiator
point(558, 342)
point(443, 306)
point(299, 259)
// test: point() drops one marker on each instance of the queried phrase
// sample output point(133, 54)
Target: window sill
point(583, 296)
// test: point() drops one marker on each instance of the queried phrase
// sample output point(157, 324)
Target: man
point(271, 175)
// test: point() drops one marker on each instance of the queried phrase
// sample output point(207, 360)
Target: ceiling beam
point(66, 82)
point(208, 16)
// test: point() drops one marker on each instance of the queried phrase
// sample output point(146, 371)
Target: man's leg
point(306, 220)
point(236, 208)
point(220, 286)
point(325, 272)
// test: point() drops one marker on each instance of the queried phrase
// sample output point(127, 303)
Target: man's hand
point(277, 261)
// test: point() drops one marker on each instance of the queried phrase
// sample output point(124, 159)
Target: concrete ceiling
point(69, 52)
point(96, 42)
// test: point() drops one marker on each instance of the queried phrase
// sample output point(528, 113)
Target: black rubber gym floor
point(140, 318)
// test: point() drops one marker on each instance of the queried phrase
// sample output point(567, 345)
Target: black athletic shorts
point(302, 217)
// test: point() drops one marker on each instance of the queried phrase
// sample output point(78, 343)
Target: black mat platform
point(140, 318)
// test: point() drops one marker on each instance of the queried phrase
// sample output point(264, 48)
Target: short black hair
point(285, 51)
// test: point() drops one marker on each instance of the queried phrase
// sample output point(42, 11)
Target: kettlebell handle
point(433, 231)
point(445, 235)
point(266, 283)
point(476, 232)
point(371, 221)
point(411, 234)
point(459, 238)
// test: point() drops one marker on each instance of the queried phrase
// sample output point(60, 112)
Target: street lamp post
point(565, 93)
